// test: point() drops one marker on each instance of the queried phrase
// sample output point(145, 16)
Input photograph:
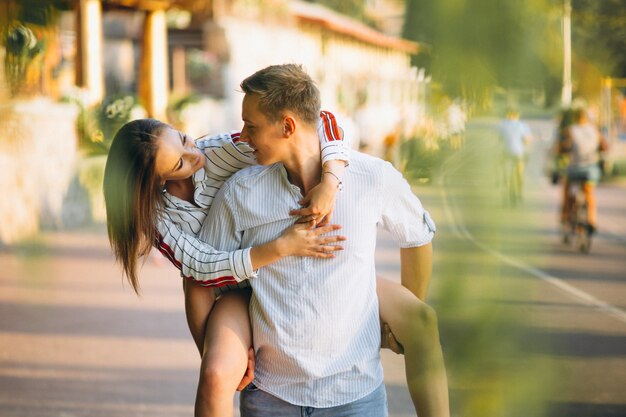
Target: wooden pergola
point(153, 86)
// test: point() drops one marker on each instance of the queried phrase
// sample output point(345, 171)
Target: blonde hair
point(285, 87)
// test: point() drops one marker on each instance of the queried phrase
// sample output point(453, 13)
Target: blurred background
point(530, 326)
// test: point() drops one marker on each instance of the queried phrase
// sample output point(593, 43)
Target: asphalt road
point(548, 324)
point(529, 327)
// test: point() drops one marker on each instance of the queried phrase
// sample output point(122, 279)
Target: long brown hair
point(133, 193)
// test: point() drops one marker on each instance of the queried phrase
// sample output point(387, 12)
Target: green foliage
point(599, 34)
point(23, 34)
point(178, 104)
point(97, 125)
point(477, 46)
point(199, 65)
point(421, 162)
point(42, 12)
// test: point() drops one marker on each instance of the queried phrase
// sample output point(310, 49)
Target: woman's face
point(177, 157)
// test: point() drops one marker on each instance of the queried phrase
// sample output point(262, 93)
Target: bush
point(97, 125)
point(419, 161)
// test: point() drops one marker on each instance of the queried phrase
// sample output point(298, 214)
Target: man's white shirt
point(315, 321)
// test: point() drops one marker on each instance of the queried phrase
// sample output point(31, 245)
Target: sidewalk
point(76, 341)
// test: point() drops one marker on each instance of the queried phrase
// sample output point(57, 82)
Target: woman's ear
point(289, 126)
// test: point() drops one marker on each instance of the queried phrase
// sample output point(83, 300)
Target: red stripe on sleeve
point(167, 251)
point(169, 254)
point(217, 282)
point(330, 126)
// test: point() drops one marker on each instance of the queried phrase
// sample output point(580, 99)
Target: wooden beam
point(153, 86)
point(179, 76)
point(146, 5)
point(89, 66)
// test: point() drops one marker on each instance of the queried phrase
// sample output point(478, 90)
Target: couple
point(312, 316)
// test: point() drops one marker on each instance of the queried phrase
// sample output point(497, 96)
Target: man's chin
point(264, 161)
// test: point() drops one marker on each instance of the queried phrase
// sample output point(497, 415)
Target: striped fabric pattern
point(181, 221)
point(329, 129)
point(315, 322)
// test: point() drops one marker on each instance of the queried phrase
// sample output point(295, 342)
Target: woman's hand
point(308, 240)
point(319, 203)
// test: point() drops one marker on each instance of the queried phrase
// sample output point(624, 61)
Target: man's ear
point(289, 126)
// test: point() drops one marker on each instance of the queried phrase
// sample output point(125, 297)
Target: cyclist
point(582, 142)
point(515, 135)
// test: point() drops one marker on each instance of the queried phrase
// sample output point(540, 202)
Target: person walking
point(515, 136)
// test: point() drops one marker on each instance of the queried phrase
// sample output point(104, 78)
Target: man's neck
point(303, 164)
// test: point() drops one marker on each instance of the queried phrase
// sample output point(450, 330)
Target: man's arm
point(416, 267)
point(412, 228)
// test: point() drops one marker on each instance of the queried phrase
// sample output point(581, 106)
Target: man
point(515, 135)
point(315, 324)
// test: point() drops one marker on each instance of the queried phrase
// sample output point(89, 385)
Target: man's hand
point(249, 375)
point(308, 240)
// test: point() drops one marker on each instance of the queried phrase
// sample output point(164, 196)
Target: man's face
point(261, 134)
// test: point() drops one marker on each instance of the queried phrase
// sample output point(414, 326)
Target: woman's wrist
point(332, 179)
point(332, 173)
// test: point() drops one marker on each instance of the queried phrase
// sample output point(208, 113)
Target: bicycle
point(513, 179)
point(577, 229)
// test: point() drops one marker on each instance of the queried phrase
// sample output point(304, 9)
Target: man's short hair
point(284, 87)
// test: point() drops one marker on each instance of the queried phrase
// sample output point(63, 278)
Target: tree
point(419, 26)
point(599, 34)
point(478, 45)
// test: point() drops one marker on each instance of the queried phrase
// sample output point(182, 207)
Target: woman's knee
point(419, 326)
point(218, 375)
point(423, 316)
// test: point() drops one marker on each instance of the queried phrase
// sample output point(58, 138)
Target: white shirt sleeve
point(199, 260)
point(332, 142)
point(402, 212)
point(225, 155)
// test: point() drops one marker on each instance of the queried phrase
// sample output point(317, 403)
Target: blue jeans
point(256, 403)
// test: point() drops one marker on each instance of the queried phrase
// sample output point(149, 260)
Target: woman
point(581, 144)
point(158, 186)
point(163, 156)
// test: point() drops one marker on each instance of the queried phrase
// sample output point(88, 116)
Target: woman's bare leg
point(414, 325)
point(199, 301)
point(224, 362)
